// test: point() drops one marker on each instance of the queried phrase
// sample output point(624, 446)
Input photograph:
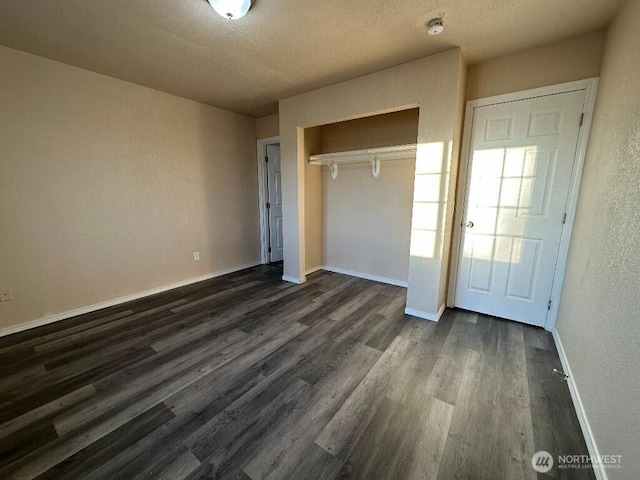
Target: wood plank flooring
point(248, 377)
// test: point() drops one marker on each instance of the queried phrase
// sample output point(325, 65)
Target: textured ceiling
point(282, 47)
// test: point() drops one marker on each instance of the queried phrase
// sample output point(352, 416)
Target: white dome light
point(231, 9)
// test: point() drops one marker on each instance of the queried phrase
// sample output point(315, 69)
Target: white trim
point(288, 278)
point(117, 301)
point(459, 206)
point(589, 86)
point(314, 270)
point(366, 276)
point(426, 315)
point(535, 92)
point(262, 196)
point(589, 439)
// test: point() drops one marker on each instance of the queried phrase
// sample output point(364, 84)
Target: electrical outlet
point(6, 295)
point(196, 256)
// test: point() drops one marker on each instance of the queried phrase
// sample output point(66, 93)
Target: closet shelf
point(370, 155)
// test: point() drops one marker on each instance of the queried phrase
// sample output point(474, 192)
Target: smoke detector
point(435, 26)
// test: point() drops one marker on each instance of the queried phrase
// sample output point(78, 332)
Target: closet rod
point(371, 155)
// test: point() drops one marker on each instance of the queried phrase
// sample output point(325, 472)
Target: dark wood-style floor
point(248, 377)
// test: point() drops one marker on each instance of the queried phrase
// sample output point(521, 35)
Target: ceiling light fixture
point(435, 26)
point(231, 9)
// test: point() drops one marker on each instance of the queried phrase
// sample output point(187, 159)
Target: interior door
point(521, 162)
point(274, 203)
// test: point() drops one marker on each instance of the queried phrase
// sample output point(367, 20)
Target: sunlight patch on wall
point(429, 158)
point(427, 204)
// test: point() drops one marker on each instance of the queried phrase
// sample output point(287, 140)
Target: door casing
point(274, 210)
point(263, 195)
point(590, 87)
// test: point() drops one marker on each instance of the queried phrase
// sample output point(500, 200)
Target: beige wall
point(565, 61)
point(396, 128)
point(599, 316)
point(107, 188)
point(434, 85)
point(313, 205)
point(366, 221)
point(267, 127)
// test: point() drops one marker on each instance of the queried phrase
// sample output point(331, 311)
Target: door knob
point(469, 224)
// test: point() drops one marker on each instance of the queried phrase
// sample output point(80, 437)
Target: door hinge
point(564, 219)
point(581, 119)
point(268, 205)
point(266, 159)
point(549, 305)
point(269, 249)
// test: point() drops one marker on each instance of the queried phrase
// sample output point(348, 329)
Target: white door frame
point(590, 86)
point(262, 196)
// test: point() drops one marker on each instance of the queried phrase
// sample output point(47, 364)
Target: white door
point(521, 162)
point(274, 202)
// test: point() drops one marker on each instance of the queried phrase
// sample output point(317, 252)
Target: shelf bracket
point(375, 166)
point(333, 168)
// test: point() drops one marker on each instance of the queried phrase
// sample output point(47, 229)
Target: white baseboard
point(117, 301)
point(426, 315)
point(589, 439)
point(366, 276)
point(288, 278)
